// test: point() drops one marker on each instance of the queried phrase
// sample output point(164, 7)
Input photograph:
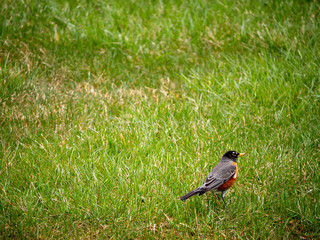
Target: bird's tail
point(190, 194)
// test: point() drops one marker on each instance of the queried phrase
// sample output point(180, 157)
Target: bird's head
point(232, 155)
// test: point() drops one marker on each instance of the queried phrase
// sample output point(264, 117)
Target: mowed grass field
point(112, 110)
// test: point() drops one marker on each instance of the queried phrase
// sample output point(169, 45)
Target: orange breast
point(231, 181)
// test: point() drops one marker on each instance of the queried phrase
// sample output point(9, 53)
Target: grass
point(112, 110)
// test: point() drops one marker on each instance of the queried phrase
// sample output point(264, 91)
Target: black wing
point(219, 175)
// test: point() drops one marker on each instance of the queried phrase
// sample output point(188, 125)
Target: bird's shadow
point(208, 203)
point(216, 201)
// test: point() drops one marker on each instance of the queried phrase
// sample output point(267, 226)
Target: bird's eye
point(234, 153)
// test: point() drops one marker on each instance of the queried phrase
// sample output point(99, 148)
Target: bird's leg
point(217, 195)
point(223, 199)
point(222, 196)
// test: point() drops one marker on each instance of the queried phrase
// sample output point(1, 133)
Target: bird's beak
point(241, 154)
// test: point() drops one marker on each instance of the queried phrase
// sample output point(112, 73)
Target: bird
point(221, 178)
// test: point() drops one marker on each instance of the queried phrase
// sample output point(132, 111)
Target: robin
point(221, 177)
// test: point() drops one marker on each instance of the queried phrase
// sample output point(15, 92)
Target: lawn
point(110, 111)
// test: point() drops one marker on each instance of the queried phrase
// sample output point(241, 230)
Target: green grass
point(112, 110)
